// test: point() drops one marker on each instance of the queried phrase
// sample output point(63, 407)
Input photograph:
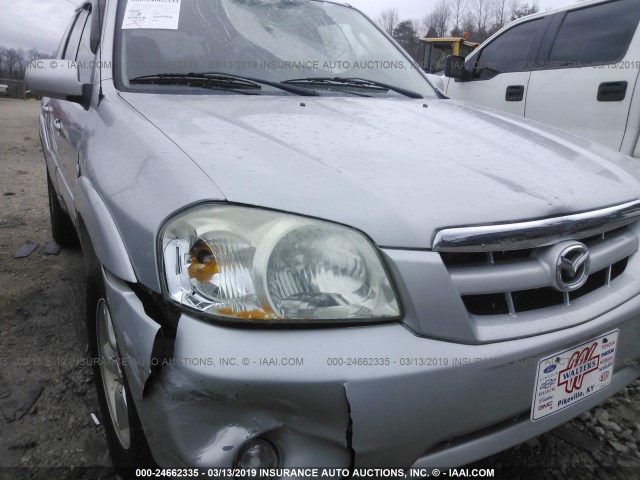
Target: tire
point(127, 444)
point(62, 229)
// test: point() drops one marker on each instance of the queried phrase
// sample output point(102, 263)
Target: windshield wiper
point(219, 80)
point(354, 82)
point(193, 80)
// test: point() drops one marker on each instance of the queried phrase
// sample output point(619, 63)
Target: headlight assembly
point(247, 264)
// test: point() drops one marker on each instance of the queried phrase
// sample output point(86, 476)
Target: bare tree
point(469, 26)
point(457, 9)
point(3, 58)
point(436, 22)
point(23, 61)
point(480, 9)
point(501, 13)
point(389, 20)
point(418, 26)
point(522, 9)
point(13, 60)
point(441, 17)
point(33, 54)
point(429, 26)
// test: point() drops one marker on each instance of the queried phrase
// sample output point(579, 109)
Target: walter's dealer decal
point(567, 377)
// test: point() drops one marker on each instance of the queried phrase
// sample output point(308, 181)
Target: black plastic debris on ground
point(52, 248)
point(26, 249)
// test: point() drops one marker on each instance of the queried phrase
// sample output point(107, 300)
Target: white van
point(576, 68)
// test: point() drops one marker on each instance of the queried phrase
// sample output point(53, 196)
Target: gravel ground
point(46, 390)
point(46, 386)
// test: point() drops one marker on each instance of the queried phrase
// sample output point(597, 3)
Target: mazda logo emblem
point(572, 268)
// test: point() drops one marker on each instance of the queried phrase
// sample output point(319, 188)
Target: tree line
point(479, 18)
point(14, 61)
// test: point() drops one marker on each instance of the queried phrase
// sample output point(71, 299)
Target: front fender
point(104, 234)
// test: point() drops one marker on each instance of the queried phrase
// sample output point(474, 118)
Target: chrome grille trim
point(479, 279)
point(538, 233)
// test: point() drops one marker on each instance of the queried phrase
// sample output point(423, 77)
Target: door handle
point(57, 124)
point(515, 93)
point(612, 91)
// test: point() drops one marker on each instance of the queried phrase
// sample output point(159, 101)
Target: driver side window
point(85, 57)
point(507, 53)
point(71, 50)
point(78, 48)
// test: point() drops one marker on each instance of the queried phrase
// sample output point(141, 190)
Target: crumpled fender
point(135, 331)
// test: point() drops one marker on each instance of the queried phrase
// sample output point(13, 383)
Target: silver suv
point(300, 254)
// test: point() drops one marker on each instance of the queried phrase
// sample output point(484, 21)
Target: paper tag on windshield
point(152, 14)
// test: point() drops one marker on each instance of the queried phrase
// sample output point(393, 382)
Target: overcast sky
point(40, 23)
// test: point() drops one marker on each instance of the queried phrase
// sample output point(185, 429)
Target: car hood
point(399, 170)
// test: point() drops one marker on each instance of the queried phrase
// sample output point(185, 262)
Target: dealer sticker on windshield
point(567, 377)
point(152, 14)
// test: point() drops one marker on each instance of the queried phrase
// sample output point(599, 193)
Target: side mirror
point(454, 67)
point(57, 79)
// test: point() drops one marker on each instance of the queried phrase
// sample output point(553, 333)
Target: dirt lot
point(46, 386)
point(46, 390)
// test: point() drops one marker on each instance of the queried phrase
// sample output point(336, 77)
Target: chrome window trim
point(537, 233)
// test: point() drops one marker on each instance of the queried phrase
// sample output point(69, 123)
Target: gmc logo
point(546, 405)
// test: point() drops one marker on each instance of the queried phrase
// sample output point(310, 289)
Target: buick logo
point(572, 268)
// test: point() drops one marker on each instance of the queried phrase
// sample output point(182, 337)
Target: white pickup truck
point(3, 90)
point(576, 68)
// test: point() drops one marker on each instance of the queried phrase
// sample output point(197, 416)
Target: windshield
point(439, 53)
point(271, 40)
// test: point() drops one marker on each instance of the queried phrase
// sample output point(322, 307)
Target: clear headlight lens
point(250, 264)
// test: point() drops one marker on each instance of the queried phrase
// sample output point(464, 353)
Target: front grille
point(537, 298)
point(511, 282)
point(466, 258)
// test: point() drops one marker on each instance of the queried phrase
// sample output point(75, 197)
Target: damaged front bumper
point(376, 396)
